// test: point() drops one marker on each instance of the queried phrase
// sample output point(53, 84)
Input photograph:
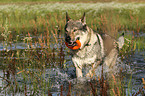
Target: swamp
point(36, 62)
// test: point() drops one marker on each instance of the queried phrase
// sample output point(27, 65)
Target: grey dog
point(92, 48)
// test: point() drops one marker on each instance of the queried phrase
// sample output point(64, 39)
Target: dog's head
point(76, 33)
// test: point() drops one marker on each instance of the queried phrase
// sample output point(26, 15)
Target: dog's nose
point(68, 39)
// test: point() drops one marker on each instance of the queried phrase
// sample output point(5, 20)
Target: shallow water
point(61, 77)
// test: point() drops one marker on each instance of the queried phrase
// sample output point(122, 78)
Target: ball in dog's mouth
point(75, 45)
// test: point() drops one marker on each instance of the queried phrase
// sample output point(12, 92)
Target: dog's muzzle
point(72, 45)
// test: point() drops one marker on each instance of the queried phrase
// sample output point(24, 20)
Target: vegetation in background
point(72, 1)
point(106, 17)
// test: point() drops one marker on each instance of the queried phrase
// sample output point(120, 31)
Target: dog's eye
point(75, 30)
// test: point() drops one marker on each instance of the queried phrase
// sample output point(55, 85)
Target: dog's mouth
point(74, 45)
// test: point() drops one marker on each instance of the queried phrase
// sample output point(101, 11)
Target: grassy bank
point(110, 18)
point(126, 16)
point(19, 1)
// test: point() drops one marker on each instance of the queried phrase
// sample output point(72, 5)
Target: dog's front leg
point(78, 70)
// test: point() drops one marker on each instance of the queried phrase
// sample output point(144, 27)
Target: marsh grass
point(114, 86)
point(41, 32)
point(39, 19)
point(66, 1)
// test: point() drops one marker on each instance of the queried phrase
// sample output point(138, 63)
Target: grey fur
point(95, 48)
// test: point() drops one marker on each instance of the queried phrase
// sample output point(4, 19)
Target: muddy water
point(57, 77)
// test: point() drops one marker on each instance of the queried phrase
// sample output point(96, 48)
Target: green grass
point(19, 1)
point(44, 1)
point(39, 18)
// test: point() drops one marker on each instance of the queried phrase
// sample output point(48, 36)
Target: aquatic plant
point(5, 34)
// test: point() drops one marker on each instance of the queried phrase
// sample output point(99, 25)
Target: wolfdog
point(88, 47)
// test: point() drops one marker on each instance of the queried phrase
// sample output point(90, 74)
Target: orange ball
point(74, 47)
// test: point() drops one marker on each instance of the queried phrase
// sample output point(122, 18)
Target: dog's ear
point(83, 19)
point(67, 17)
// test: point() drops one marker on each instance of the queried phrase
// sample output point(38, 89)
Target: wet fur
point(95, 48)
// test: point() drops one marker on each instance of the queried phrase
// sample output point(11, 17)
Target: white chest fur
point(89, 54)
point(82, 61)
